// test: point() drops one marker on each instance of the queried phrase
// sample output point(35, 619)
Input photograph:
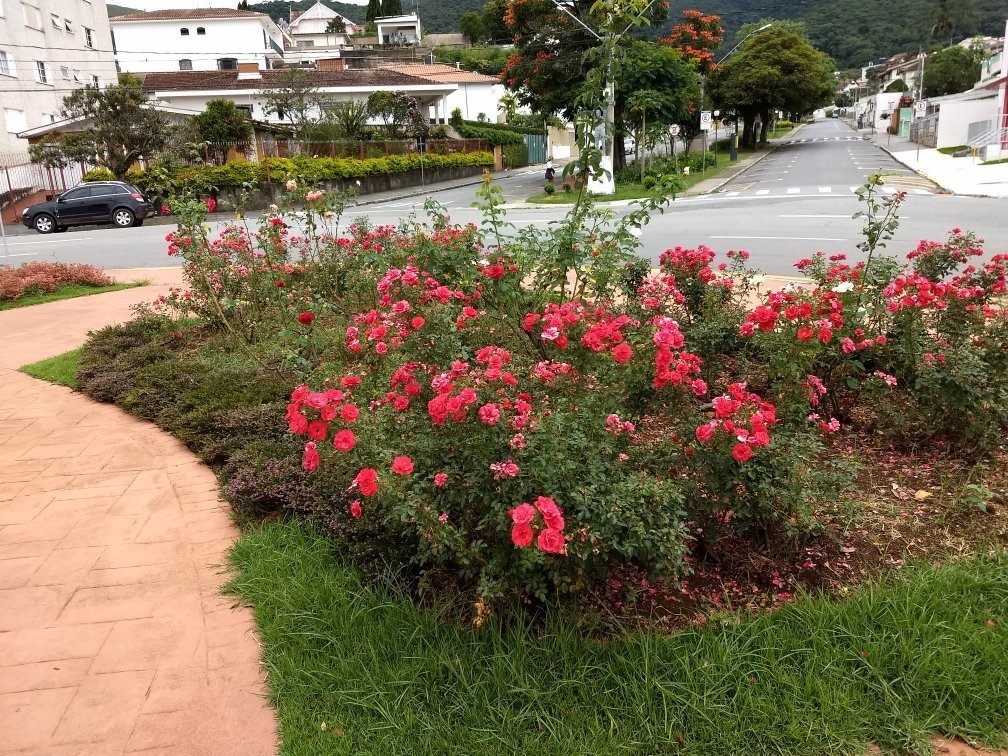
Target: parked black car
point(99, 202)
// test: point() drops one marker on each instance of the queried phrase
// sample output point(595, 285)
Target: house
point(398, 30)
point(308, 41)
point(46, 51)
point(195, 39)
point(476, 93)
point(905, 66)
point(190, 90)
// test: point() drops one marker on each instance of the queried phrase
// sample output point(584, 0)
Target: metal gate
point(536, 144)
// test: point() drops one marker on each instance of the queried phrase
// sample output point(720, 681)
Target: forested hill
point(852, 31)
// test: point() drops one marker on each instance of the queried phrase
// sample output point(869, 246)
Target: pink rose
point(521, 535)
point(402, 465)
point(523, 514)
point(551, 541)
point(311, 457)
point(440, 480)
point(355, 510)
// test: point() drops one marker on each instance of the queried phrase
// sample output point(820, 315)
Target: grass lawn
point(61, 369)
point(66, 291)
point(995, 162)
point(638, 191)
point(356, 670)
point(951, 150)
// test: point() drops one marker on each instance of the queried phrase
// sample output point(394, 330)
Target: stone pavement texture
point(114, 637)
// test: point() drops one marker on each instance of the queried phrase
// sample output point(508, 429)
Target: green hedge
point(313, 169)
point(515, 155)
point(98, 174)
point(468, 130)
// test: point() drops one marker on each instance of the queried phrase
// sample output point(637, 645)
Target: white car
point(629, 145)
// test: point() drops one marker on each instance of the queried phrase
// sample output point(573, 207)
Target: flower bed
point(525, 416)
point(46, 278)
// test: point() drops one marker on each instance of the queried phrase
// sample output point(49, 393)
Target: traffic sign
point(674, 129)
point(920, 108)
point(705, 120)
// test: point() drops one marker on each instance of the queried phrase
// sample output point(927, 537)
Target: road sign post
point(674, 134)
point(920, 111)
point(706, 117)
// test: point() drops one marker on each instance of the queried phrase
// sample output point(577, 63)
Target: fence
point(23, 183)
point(372, 149)
point(924, 131)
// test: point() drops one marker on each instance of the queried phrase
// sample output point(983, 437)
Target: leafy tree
point(655, 85)
point(374, 10)
point(775, 69)
point(471, 26)
point(952, 70)
point(696, 38)
point(349, 119)
point(391, 7)
point(844, 99)
point(243, 5)
point(119, 128)
point(295, 98)
point(508, 106)
point(383, 105)
point(898, 85)
point(494, 27)
point(222, 122)
point(336, 25)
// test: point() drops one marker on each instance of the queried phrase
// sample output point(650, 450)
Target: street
point(792, 203)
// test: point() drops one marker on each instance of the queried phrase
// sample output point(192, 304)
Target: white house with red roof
point(474, 93)
point(195, 39)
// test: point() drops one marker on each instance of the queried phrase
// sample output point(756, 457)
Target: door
point(536, 144)
point(102, 199)
point(74, 206)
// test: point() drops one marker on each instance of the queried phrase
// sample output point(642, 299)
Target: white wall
point(473, 99)
point(37, 103)
point(158, 45)
point(885, 103)
point(954, 119)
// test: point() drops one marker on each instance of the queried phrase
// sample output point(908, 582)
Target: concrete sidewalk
point(114, 636)
point(965, 176)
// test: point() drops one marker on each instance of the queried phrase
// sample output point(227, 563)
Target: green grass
point(995, 162)
point(61, 369)
point(66, 291)
point(353, 669)
point(951, 150)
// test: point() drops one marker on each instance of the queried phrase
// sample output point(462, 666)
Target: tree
point(508, 106)
point(119, 128)
point(336, 25)
point(222, 122)
point(349, 119)
point(897, 85)
point(952, 70)
point(374, 10)
point(775, 69)
point(495, 28)
point(696, 38)
point(243, 5)
point(391, 7)
point(844, 99)
point(471, 26)
point(295, 98)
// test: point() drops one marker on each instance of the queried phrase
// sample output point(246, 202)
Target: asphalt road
point(794, 202)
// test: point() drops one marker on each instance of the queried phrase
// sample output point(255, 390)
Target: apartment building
point(48, 48)
point(195, 39)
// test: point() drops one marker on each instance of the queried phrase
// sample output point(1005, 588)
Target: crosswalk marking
point(793, 190)
point(825, 189)
point(762, 192)
point(818, 190)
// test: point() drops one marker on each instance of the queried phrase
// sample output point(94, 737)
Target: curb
point(773, 148)
point(423, 191)
point(932, 179)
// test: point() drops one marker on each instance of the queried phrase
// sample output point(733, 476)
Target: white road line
point(762, 192)
point(731, 194)
point(825, 189)
point(793, 190)
point(23, 254)
point(74, 240)
point(789, 238)
point(818, 216)
point(920, 191)
point(854, 189)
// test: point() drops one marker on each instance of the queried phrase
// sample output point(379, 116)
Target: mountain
point(120, 10)
point(852, 31)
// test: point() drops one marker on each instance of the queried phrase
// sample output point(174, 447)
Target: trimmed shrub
point(98, 174)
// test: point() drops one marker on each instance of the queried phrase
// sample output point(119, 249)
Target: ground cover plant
point(39, 282)
point(503, 426)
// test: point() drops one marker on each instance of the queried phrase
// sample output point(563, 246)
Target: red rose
point(306, 318)
point(741, 452)
point(345, 440)
point(317, 430)
point(355, 510)
point(417, 322)
point(622, 353)
point(521, 535)
point(401, 403)
point(349, 413)
point(440, 479)
point(311, 457)
point(551, 541)
point(298, 424)
point(523, 514)
point(402, 465)
point(367, 481)
point(805, 333)
point(704, 433)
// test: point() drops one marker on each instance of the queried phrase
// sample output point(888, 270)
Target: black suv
point(112, 202)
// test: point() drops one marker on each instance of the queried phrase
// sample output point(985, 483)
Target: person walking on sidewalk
point(550, 171)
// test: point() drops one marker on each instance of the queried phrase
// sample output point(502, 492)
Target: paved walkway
point(966, 175)
point(114, 637)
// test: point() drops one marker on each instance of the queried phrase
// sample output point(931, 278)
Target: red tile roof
point(441, 72)
point(187, 14)
point(211, 80)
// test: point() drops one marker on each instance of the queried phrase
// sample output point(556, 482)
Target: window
point(68, 25)
point(96, 82)
point(65, 72)
point(77, 75)
point(56, 22)
point(200, 30)
point(40, 72)
point(185, 64)
point(184, 32)
point(227, 64)
point(2, 14)
point(75, 194)
point(52, 118)
point(88, 37)
point(6, 64)
point(32, 16)
point(15, 120)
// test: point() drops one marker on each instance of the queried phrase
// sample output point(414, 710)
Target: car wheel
point(44, 223)
point(123, 217)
